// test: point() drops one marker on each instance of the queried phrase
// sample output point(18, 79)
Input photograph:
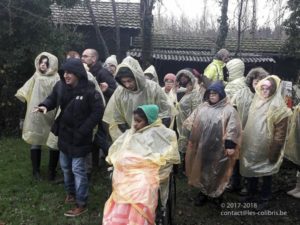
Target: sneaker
point(77, 211)
point(70, 199)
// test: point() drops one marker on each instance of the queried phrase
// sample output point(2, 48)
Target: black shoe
point(37, 176)
point(243, 192)
point(200, 199)
point(262, 205)
point(248, 198)
point(233, 188)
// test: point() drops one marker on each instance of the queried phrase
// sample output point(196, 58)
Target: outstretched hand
point(41, 109)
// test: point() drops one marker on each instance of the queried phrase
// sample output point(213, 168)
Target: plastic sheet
point(207, 166)
point(258, 134)
point(37, 126)
point(292, 149)
point(141, 160)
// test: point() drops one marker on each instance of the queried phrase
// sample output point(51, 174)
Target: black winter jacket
point(103, 75)
point(81, 107)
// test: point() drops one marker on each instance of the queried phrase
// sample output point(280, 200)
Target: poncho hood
point(151, 69)
point(137, 71)
point(53, 64)
point(151, 112)
point(188, 73)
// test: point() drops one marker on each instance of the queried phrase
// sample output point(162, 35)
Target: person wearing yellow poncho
point(292, 150)
point(36, 127)
point(264, 138)
point(134, 90)
point(236, 79)
point(151, 74)
point(142, 157)
point(214, 140)
point(241, 100)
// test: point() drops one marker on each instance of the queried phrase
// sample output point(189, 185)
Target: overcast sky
point(266, 9)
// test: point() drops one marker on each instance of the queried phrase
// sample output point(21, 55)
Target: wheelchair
point(165, 210)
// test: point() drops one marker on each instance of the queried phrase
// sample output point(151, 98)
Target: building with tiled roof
point(127, 13)
point(198, 49)
point(78, 17)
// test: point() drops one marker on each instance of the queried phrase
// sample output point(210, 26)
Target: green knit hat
point(151, 112)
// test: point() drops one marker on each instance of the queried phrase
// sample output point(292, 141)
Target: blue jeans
point(75, 177)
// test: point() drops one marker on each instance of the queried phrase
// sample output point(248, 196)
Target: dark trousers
point(236, 177)
point(266, 189)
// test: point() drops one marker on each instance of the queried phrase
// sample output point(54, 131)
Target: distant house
point(172, 53)
point(79, 19)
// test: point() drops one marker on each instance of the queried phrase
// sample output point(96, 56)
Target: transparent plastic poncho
point(292, 149)
point(259, 131)
point(242, 101)
point(37, 126)
point(207, 166)
point(234, 86)
point(142, 160)
point(187, 104)
point(123, 102)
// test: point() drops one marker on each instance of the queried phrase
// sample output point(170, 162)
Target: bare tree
point(117, 24)
point(239, 31)
point(146, 7)
point(253, 20)
point(223, 28)
point(203, 24)
point(99, 36)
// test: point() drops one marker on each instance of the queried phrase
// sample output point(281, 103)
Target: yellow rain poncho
point(242, 101)
point(187, 104)
point(123, 101)
point(207, 166)
point(292, 149)
point(141, 160)
point(37, 126)
point(260, 155)
point(151, 70)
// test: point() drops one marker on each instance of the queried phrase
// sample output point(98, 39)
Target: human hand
point(42, 109)
point(103, 86)
point(229, 151)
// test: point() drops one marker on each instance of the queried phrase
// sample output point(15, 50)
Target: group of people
point(218, 125)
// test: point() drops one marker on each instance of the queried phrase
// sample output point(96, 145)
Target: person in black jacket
point(107, 85)
point(81, 107)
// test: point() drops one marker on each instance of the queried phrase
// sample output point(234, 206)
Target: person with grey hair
point(214, 71)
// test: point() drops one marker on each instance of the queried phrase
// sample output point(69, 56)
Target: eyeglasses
point(213, 93)
point(169, 81)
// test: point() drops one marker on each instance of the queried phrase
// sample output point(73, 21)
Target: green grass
point(24, 201)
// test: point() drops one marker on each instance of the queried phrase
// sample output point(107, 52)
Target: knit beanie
point(170, 76)
point(236, 69)
point(151, 112)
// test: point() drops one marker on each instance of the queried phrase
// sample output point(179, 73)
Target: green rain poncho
point(292, 149)
point(187, 104)
point(207, 166)
point(123, 102)
point(258, 149)
point(37, 126)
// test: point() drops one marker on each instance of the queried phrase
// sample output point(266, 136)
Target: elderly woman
point(215, 133)
point(263, 138)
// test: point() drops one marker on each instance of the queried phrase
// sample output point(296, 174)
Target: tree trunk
point(99, 36)
point(223, 29)
point(239, 31)
point(146, 28)
point(254, 20)
point(117, 24)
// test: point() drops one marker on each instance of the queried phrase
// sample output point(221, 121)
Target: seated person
point(140, 158)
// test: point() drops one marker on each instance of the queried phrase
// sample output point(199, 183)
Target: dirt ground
point(282, 209)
